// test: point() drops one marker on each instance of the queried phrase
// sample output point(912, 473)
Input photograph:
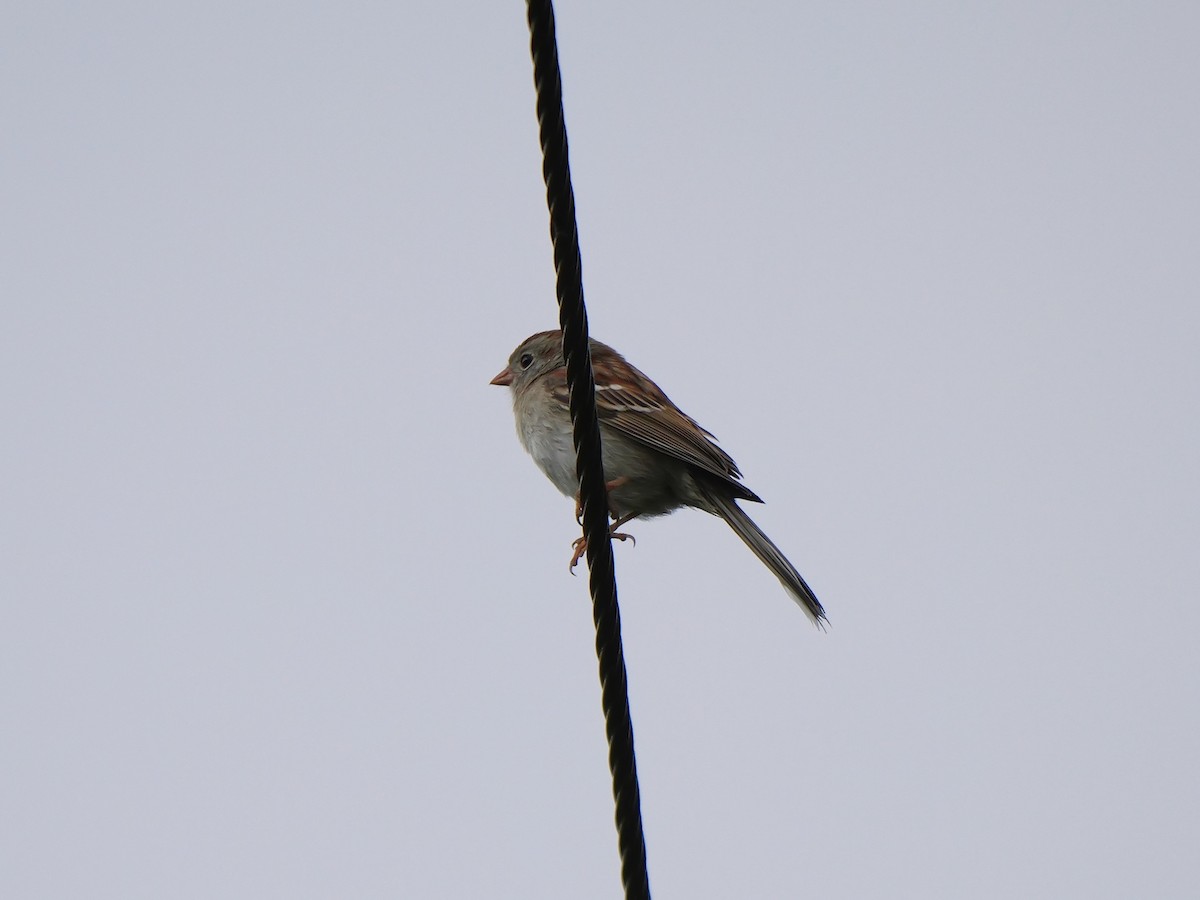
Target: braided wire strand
point(568, 267)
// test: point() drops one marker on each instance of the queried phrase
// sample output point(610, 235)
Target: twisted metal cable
point(572, 315)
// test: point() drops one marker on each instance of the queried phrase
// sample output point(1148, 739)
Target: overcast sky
point(284, 607)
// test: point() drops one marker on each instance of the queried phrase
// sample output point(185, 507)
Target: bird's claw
point(579, 547)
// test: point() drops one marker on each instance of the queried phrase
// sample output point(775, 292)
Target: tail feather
point(767, 552)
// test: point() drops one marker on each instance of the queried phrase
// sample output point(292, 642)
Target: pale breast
point(548, 440)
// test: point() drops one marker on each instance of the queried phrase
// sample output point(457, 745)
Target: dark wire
point(564, 235)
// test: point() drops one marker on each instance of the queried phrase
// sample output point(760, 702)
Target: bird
point(657, 459)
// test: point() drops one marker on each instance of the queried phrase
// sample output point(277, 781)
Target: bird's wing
point(637, 408)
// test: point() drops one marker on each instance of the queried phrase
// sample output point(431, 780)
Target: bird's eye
point(526, 360)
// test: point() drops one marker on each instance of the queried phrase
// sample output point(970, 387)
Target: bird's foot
point(579, 547)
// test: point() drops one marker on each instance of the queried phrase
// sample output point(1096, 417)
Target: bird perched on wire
point(656, 458)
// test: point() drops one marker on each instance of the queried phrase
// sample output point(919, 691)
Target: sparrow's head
point(536, 356)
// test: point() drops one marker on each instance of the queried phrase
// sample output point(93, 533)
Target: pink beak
point(504, 379)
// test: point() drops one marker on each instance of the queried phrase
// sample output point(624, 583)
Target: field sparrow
point(656, 457)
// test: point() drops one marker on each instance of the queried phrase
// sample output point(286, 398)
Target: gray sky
point(285, 606)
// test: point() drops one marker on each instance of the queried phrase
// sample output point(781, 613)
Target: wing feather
point(637, 408)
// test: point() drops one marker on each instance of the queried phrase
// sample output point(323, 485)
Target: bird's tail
point(766, 551)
